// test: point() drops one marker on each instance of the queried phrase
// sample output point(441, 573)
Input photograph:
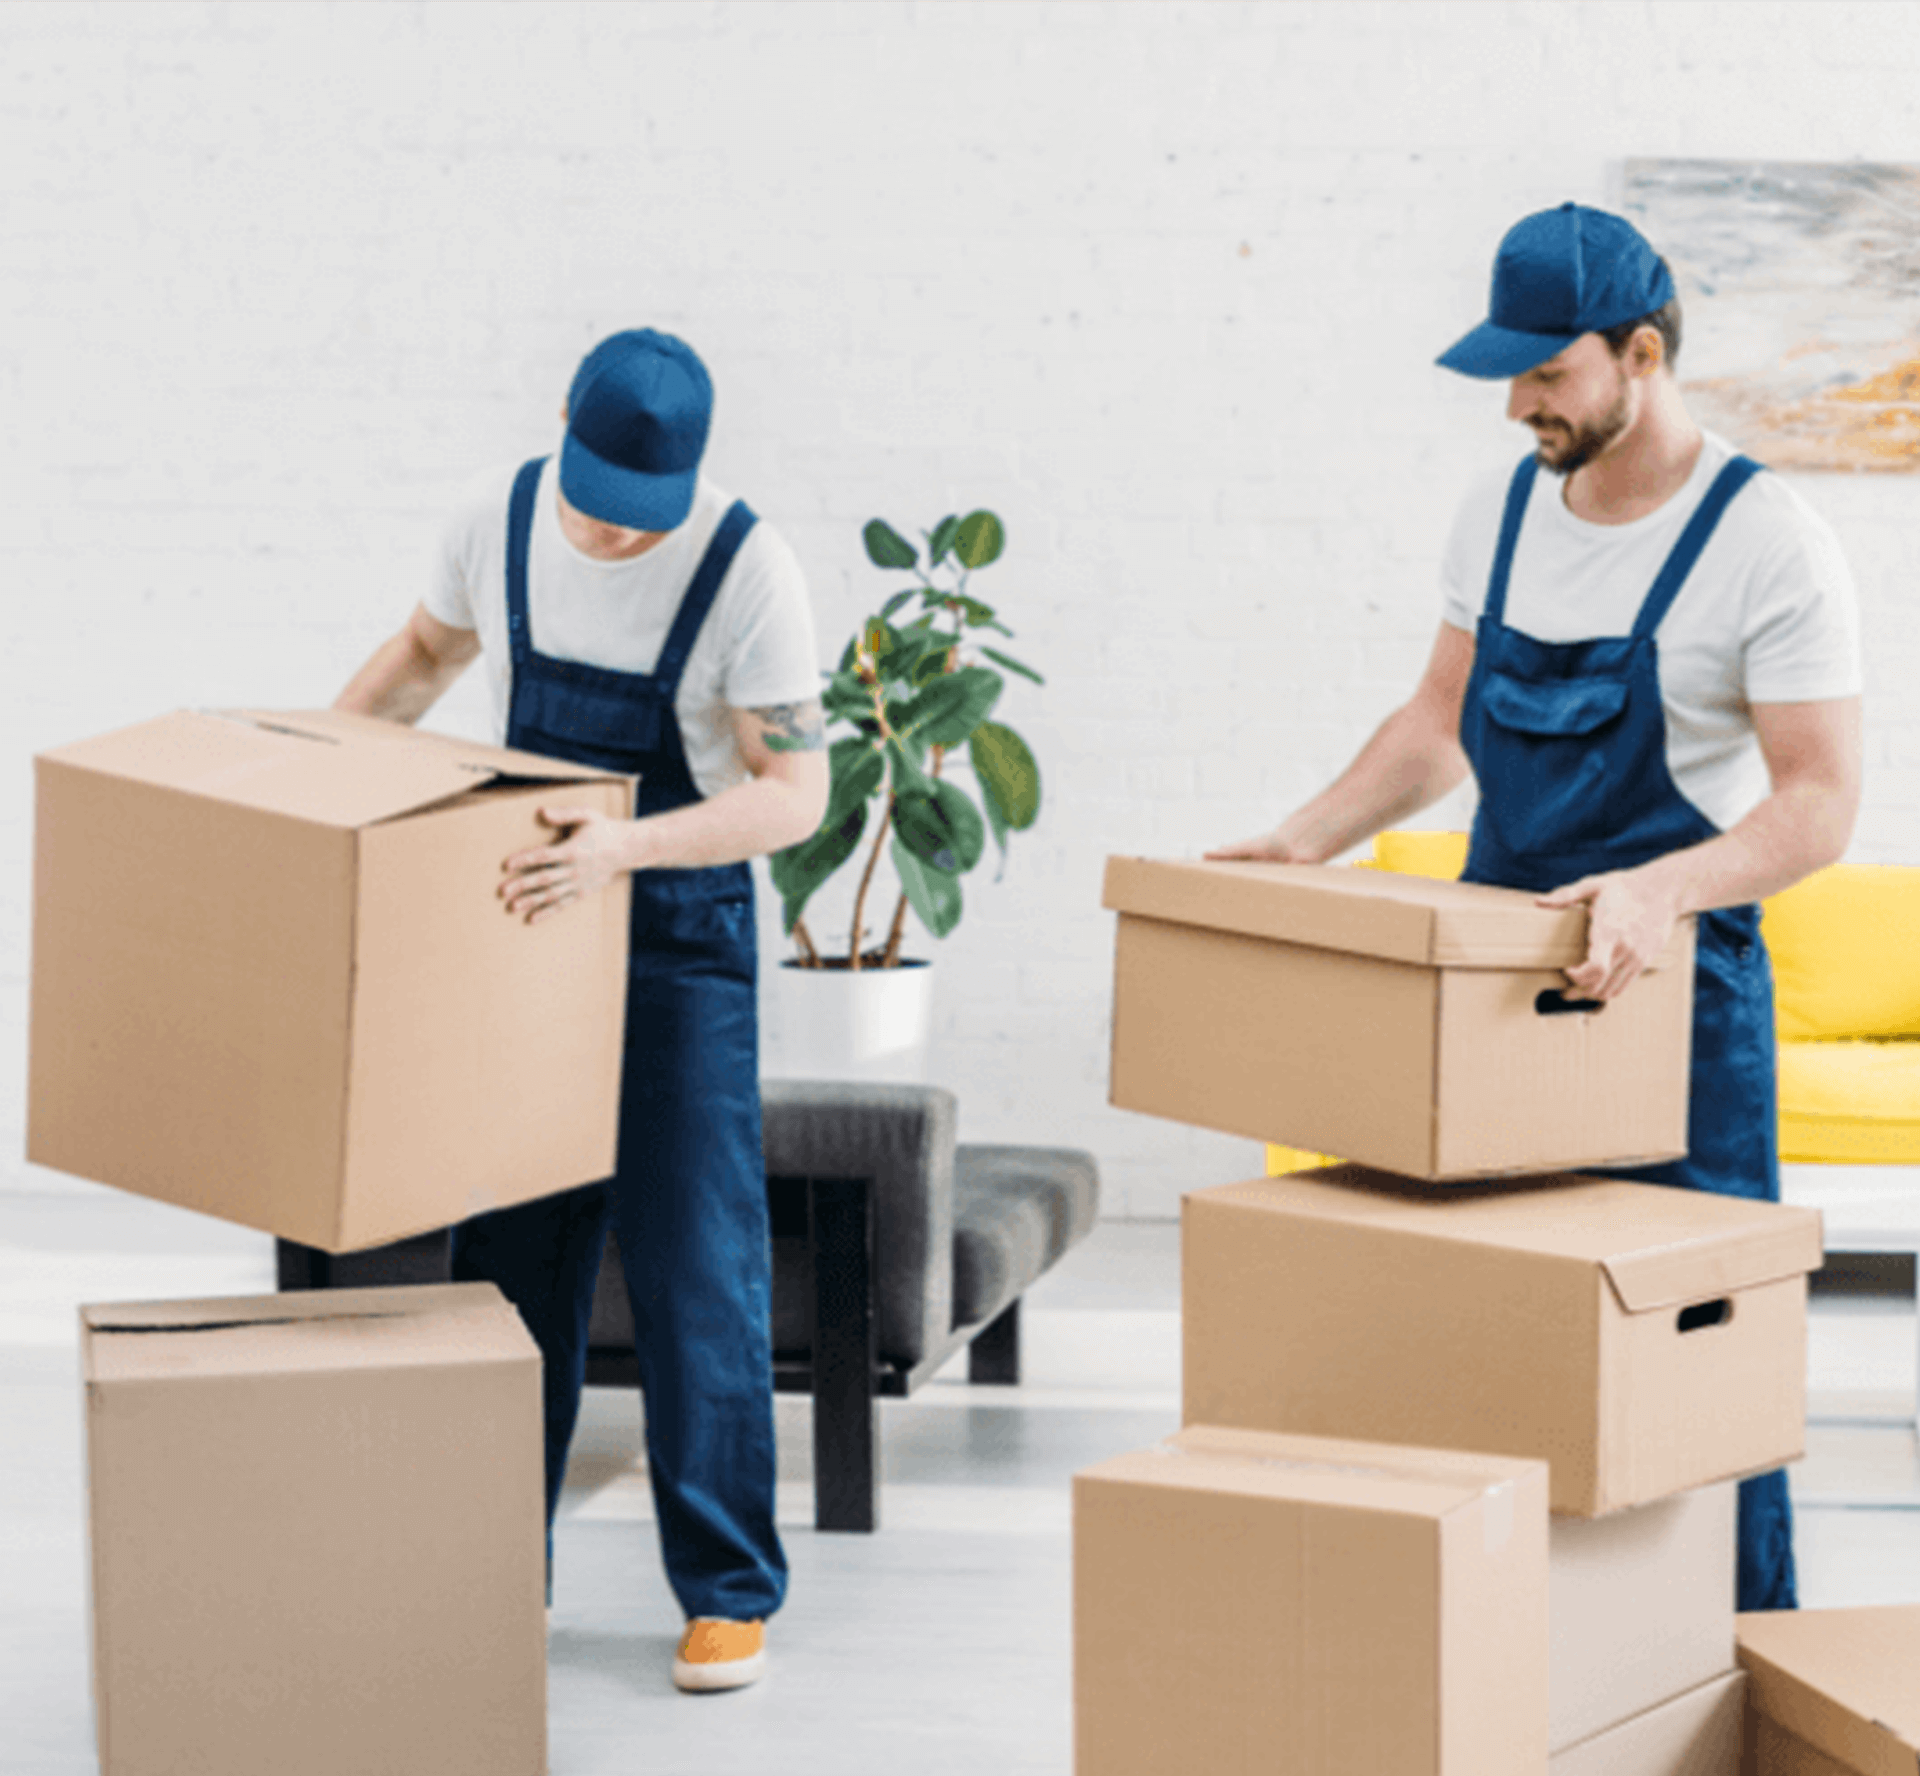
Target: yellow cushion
point(1281, 1160)
point(1442, 855)
point(1846, 952)
point(1850, 1101)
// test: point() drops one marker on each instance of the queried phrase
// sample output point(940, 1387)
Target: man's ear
point(1646, 351)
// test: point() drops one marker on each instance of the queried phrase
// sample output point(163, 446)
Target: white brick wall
point(1161, 283)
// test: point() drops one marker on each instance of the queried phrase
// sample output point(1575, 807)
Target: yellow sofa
point(1846, 962)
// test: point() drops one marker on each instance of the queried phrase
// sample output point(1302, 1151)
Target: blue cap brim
point(614, 495)
point(1500, 352)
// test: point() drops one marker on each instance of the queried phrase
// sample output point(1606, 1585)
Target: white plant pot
point(836, 1023)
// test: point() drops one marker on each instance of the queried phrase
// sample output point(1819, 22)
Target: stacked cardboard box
point(1456, 1290)
point(273, 982)
point(1833, 1692)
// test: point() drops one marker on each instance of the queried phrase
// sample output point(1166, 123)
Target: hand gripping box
point(273, 980)
point(1832, 1692)
point(316, 1535)
point(1249, 1603)
point(1640, 1339)
point(1419, 1026)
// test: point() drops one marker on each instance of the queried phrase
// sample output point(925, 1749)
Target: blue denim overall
point(1568, 742)
point(688, 1199)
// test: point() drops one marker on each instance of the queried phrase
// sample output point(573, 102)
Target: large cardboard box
point(316, 1532)
point(1415, 1025)
point(1832, 1692)
point(1640, 1339)
point(1248, 1603)
point(273, 980)
point(1697, 1734)
point(1641, 1606)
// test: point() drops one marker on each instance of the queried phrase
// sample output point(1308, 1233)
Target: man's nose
point(1521, 400)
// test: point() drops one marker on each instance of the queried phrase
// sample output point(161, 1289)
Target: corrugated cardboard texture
point(1347, 1303)
point(1698, 1734)
point(1393, 1020)
point(1641, 1605)
point(248, 1003)
point(1846, 1682)
point(315, 1535)
point(1246, 1603)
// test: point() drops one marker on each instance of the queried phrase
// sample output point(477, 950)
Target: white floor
point(940, 1644)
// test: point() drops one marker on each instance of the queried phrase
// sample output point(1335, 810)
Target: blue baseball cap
point(1558, 275)
point(637, 418)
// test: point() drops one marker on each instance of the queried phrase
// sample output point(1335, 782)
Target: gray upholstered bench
point(893, 1247)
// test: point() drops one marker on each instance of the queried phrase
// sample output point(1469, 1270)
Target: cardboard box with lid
point(315, 1534)
point(1832, 1692)
point(273, 980)
point(1640, 1339)
point(1247, 1603)
point(1419, 1026)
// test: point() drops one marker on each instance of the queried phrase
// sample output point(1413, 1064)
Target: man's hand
point(1630, 919)
point(1267, 848)
point(588, 858)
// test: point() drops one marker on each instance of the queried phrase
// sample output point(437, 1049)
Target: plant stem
point(896, 933)
point(809, 956)
point(866, 881)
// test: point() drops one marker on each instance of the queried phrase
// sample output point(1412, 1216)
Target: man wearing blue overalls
point(632, 616)
point(1649, 660)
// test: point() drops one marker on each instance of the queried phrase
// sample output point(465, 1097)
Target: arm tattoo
point(793, 727)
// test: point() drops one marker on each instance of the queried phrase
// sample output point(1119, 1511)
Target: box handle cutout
point(1705, 1313)
point(1554, 1002)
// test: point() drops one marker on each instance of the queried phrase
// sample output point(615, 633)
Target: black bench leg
point(994, 1355)
point(426, 1258)
point(845, 1443)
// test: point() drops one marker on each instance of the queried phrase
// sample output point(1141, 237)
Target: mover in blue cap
point(1648, 659)
point(633, 616)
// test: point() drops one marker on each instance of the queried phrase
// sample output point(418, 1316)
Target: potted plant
point(914, 692)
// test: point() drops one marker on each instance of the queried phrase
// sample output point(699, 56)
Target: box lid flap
point(1717, 1262)
point(315, 1330)
point(317, 765)
point(1366, 912)
point(1659, 1246)
point(1841, 1679)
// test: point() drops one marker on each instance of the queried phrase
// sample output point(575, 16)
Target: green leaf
point(908, 776)
point(1009, 777)
point(896, 601)
point(947, 711)
point(1012, 665)
point(847, 698)
point(967, 829)
point(858, 768)
point(933, 895)
point(976, 613)
point(979, 539)
point(921, 824)
point(886, 547)
point(800, 869)
point(941, 540)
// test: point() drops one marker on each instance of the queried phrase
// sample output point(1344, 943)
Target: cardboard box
point(1642, 1340)
point(1833, 1692)
point(1641, 1607)
point(317, 1535)
point(273, 981)
point(1250, 1603)
point(1697, 1734)
point(1415, 1025)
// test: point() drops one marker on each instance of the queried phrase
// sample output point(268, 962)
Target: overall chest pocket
point(1553, 707)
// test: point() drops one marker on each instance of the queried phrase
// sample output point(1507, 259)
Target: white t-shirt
point(1768, 614)
point(755, 649)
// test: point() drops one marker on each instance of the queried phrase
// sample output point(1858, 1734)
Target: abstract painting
point(1800, 285)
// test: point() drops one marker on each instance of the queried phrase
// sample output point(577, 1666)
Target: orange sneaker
point(719, 1655)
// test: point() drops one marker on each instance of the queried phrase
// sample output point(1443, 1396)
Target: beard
point(1564, 449)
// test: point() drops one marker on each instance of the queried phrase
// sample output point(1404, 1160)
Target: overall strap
point(519, 530)
point(1518, 492)
point(1673, 575)
point(701, 592)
